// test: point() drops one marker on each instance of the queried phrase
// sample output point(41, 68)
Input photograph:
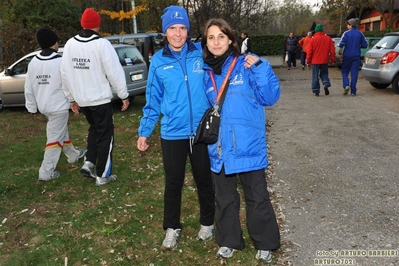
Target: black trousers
point(100, 138)
point(174, 159)
point(261, 219)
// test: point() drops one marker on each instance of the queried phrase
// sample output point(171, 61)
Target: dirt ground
point(336, 171)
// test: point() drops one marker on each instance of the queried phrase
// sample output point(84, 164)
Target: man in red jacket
point(319, 51)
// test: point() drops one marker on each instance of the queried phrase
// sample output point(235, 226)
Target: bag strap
point(222, 92)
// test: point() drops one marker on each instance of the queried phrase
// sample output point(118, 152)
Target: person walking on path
point(246, 46)
point(241, 147)
point(352, 40)
point(174, 89)
point(304, 43)
point(291, 47)
point(90, 66)
point(319, 52)
point(43, 92)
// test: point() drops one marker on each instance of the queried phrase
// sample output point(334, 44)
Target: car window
point(21, 67)
point(129, 56)
point(158, 43)
point(388, 42)
point(138, 42)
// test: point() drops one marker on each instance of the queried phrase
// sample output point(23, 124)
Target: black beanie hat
point(46, 38)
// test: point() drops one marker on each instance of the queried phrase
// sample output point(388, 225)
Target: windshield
point(129, 55)
point(388, 42)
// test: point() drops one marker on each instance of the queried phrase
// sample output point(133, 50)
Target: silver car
point(12, 79)
point(381, 63)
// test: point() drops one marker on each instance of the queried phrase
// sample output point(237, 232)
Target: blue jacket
point(352, 40)
point(241, 146)
point(174, 89)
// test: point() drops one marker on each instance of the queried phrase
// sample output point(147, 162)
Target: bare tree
point(387, 7)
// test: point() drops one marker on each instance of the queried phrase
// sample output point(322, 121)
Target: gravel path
point(336, 170)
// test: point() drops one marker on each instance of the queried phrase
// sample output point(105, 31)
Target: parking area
point(335, 171)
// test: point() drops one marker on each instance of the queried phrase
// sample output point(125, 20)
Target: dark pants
point(174, 154)
point(320, 71)
point(291, 59)
point(303, 58)
point(100, 139)
point(261, 220)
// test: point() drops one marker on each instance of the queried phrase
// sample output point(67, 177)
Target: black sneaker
point(315, 94)
point(326, 91)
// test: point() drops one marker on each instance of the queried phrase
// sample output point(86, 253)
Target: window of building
point(376, 25)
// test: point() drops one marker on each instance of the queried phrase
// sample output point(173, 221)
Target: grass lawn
point(70, 221)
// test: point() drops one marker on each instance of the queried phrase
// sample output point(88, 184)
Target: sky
point(312, 2)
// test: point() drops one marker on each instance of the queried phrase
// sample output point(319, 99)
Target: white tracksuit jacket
point(43, 89)
point(89, 67)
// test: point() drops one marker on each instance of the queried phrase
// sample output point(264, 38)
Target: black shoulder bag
point(208, 128)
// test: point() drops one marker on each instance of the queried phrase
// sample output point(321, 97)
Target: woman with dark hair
point(241, 147)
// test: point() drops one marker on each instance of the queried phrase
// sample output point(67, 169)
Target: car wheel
point(378, 85)
point(395, 84)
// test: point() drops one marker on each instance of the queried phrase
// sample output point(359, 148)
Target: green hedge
point(268, 44)
point(274, 44)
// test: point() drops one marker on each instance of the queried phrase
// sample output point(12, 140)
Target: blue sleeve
point(152, 108)
point(264, 82)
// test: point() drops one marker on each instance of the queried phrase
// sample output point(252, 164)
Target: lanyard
point(224, 81)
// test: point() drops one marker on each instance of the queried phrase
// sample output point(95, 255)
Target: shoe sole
point(109, 181)
point(205, 240)
point(87, 173)
point(168, 248)
point(264, 260)
point(219, 255)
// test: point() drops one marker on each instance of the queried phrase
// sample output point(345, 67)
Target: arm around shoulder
point(265, 83)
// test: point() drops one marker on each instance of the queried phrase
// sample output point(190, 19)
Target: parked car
point(371, 42)
point(381, 63)
point(12, 79)
point(147, 43)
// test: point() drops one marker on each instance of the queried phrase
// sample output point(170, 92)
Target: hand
point(75, 107)
point(142, 144)
point(250, 60)
point(125, 104)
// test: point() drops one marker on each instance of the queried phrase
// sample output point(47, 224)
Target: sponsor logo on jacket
point(237, 80)
point(197, 67)
point(81, 63)
point(43, 79)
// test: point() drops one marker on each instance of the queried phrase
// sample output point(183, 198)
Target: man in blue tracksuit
point(353, 40)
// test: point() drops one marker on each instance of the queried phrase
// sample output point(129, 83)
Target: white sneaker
point(54, 175)
point(225, 252)
point(88, 169)
point(82, 153)
point(100, 181)
point(205, 233)
point(264, 255)
point(171, 238)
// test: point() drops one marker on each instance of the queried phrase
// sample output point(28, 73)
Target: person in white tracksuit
point(90, 67)
point(43, 93)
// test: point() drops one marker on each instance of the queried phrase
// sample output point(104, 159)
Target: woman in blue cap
point(174, 90)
